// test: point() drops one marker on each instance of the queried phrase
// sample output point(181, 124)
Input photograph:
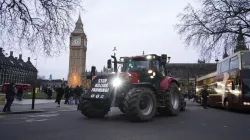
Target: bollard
point(33, 97)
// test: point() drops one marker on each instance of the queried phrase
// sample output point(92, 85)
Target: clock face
point(76, 41)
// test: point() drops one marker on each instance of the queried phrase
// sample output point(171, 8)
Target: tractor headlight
point(150, 71)
point(117, 82)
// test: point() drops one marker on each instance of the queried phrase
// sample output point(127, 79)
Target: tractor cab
point(146, 68)
point(141, 63)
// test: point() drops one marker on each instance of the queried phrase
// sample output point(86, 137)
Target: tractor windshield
point(135, 65)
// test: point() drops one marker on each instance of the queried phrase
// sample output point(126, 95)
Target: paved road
point(193, 124)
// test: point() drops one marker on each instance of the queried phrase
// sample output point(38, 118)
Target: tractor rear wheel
point(140, 104)
point(172, 101)
point(90, 111)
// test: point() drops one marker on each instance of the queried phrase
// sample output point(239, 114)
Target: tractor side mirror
point(93, 69)
point(109, 64)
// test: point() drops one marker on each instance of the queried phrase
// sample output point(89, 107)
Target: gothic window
point(77, 53)
point(77, 70)
point(74, 62)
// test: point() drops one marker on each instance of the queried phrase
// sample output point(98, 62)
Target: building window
point(218, 67)
point(225, 65)
point(234, 62)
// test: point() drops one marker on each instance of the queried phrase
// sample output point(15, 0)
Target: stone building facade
point(77, 56)
point(13, 69)
point(186, 73)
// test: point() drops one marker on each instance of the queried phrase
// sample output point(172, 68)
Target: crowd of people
point(71, 95)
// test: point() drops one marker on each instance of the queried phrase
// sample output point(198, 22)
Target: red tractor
point(140, 89)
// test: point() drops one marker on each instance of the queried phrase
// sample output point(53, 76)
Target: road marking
point(43, 115)
point(33, 120)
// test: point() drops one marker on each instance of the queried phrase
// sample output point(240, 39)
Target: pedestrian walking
point(60, 92)
point(204, 96)
point(20, 93)
point(10, 96)
point(67, 94)
point(78, 92)
point(71, 95)
point(49, 90)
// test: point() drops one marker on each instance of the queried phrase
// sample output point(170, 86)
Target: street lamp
point(115, 50)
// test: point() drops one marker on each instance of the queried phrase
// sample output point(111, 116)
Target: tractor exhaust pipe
point(115, 64)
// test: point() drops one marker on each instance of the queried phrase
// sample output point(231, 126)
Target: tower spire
point(79, 21)
point(240, 43)
point(79, 26)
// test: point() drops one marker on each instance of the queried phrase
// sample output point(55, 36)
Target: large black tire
point(134, 101)
point(171, 108)
point(88, 110)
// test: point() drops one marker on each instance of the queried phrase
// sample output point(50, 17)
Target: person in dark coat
point(49, 90)
point(78, 92)
point(20, 93)
point(60, 92)
point(204, 96)
point(67, 95)
point(71, 95)
point(10, 96)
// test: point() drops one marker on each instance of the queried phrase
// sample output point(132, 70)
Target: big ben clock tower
point(77, 56)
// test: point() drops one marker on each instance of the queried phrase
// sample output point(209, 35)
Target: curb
point(23, 112)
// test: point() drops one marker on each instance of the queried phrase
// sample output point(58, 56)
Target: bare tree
point(215, 25)
point(37, 25)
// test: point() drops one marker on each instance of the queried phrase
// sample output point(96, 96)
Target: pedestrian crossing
point(28, 118)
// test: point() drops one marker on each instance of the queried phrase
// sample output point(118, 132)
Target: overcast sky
point(133, 26)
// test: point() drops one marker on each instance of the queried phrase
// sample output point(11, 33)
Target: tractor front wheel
point(172, 101)
point(140, 104)
point(90, 111)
